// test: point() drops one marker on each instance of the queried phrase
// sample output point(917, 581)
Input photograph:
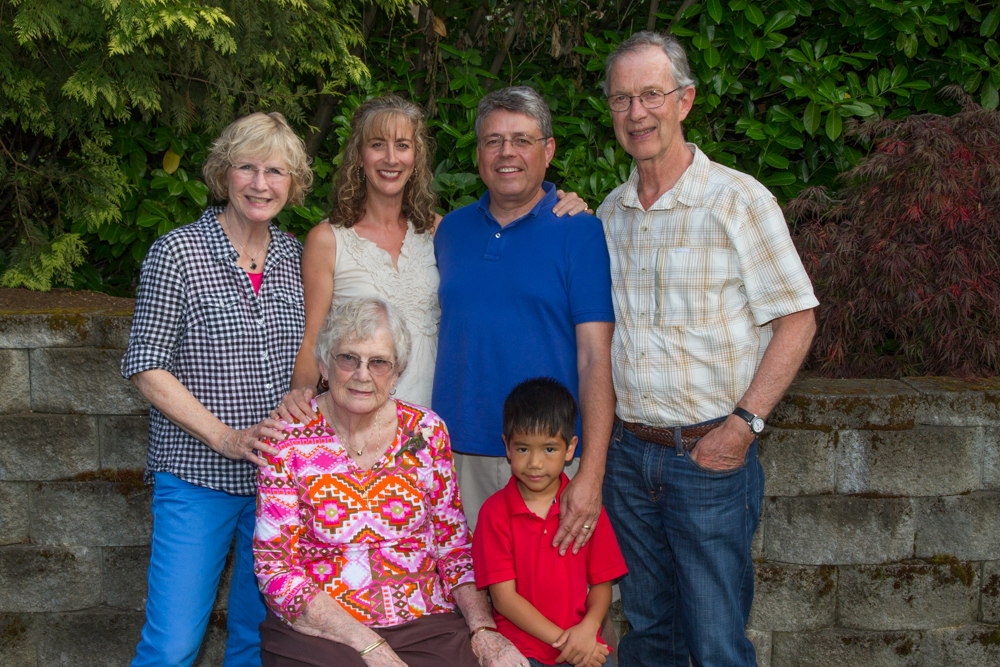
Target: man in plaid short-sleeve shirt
point(713, 317)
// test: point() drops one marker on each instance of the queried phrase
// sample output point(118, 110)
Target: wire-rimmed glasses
point(351, 363)
point(650, 99)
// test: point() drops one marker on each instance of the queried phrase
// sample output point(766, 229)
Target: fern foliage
point(77, 75)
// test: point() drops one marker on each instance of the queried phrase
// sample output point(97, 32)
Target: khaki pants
point(479, 477)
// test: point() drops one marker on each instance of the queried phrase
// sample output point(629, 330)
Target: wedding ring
point(586, 527)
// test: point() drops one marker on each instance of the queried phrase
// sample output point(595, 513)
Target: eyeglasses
point(521, 142)
point(271, 174)
point(649, 99)
point(350, 363)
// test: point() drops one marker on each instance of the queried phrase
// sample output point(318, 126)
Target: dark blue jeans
point(685, 532)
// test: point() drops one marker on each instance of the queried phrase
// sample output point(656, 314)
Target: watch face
point(757, 425)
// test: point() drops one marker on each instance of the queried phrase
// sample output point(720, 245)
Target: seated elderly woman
point(361, 548)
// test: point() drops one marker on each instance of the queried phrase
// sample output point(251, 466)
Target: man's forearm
point(597, 405)
point(782, 359)
point(597, 394)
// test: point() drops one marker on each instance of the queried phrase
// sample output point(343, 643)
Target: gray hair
point(679, 68)
point(518, 99)
point(360, 319)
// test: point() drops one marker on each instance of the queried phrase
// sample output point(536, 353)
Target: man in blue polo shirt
point(523, 294)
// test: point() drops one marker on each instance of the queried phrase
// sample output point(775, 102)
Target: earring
point(361, 174)
point(324, 384)
point(392, 392)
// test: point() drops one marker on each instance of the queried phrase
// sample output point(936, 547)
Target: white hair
point(360, 319)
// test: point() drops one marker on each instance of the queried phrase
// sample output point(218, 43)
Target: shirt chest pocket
point(287, 306)
point(222, 316)
point(691, 285)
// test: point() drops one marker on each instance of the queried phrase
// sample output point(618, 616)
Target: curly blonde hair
point(258, 135)
point(372, 118)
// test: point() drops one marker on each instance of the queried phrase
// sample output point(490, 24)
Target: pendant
point(253, 264)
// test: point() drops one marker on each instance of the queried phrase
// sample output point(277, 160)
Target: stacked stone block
point(879, 544)
point(75, 523)
point(881, 527)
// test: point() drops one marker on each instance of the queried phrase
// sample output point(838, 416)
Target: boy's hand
point(600, 655)
point(577, 644)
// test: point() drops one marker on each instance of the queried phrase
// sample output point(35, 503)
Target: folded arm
point(579, 643)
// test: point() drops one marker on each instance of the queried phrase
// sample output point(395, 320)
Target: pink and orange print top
point(388, 543)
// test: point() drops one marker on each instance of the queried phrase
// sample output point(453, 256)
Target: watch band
point(755, 422)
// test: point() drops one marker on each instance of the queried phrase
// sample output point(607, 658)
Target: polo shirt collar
point(515, 503)
point(282, 245)
point(688, 190)
point(548, 200)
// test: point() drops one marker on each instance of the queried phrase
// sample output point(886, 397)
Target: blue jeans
point(685, 532)
point(192, 529)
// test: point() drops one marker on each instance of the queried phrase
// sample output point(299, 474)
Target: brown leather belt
point(665, 436)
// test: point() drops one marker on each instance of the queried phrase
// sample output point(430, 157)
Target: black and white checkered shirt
point(196, 316)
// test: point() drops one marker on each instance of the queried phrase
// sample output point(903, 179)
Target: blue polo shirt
point(511, 298)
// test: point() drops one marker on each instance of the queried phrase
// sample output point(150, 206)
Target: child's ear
point(571, 450)
point(506, 447)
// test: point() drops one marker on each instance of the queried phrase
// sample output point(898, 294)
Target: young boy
point(540, 599)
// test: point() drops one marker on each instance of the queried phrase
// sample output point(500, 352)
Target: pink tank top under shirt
point(256, 279)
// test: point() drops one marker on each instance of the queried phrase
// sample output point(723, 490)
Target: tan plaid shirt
point(696, 280)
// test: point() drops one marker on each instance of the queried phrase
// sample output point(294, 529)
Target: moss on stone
point(992, 587)
point(988, 638)
point(826, 573)
point(129, 480)
point(964, 572)
point(12, 630)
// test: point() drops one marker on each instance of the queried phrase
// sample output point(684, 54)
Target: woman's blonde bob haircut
point(377, 117)
point(359, 319)
point(259, 135)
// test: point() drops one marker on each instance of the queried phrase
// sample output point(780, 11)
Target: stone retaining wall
point(879, 544)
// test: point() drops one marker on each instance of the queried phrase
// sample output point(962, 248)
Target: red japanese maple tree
point(905, 257)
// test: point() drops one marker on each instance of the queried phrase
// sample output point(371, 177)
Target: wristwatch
point(756, 423)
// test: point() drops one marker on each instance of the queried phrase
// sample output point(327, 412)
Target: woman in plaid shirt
point(218, 321)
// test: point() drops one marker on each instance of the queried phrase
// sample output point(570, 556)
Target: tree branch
point(327, 106)
point(654, 5)
point(508, 40)
point(32, 154)
point(476, 22)
point(677, 16)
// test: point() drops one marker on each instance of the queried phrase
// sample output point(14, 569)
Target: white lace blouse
point(363, 269)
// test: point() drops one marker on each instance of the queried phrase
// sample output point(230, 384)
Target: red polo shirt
point(511, 542)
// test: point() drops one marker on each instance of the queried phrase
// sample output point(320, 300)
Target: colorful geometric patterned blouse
point(388, 543)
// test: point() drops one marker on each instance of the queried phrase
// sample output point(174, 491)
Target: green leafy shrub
point(904, 257)
point(93, 93)
point(778, 81)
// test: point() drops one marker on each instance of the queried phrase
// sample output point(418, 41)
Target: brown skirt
point(429, 641)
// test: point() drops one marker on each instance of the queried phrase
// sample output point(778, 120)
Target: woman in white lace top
point(378, 241)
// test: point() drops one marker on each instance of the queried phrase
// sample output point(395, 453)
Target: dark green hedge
point(778, 83)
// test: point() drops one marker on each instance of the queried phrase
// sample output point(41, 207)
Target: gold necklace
point(378, 425)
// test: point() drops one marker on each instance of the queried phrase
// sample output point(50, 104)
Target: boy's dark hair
point(540, 405)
